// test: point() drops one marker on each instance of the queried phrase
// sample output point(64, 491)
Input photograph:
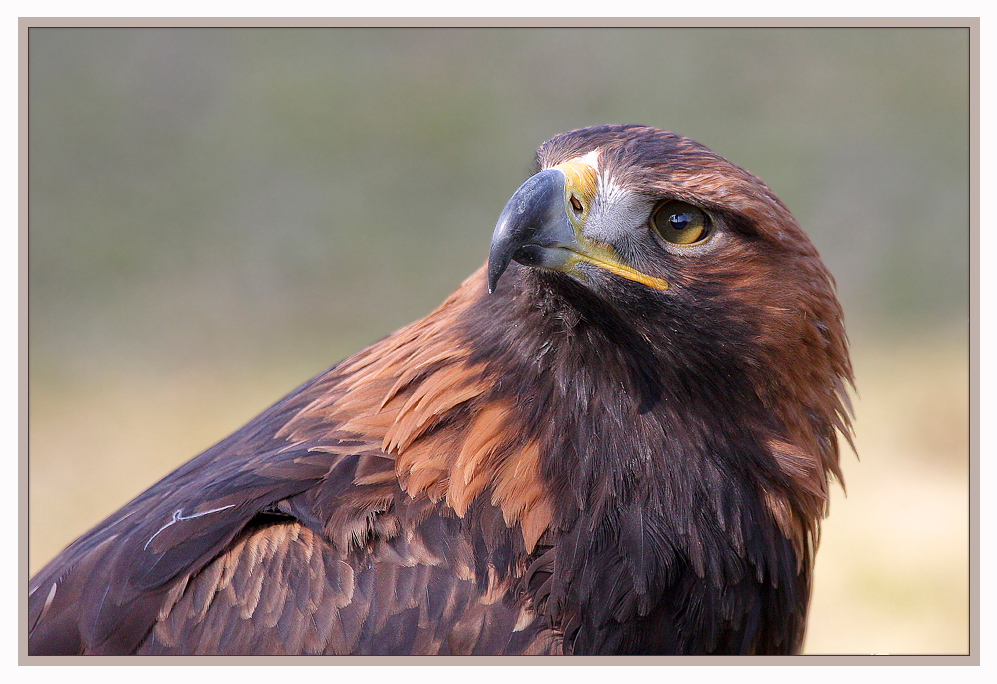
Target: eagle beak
point(533, 229)
point(537, 229)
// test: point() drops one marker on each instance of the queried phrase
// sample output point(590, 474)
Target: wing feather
point(295, 533)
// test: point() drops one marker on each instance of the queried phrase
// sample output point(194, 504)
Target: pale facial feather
point(616, 211)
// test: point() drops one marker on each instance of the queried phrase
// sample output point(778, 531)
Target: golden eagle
point(615, 438)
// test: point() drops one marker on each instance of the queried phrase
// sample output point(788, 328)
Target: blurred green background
point(218, 214)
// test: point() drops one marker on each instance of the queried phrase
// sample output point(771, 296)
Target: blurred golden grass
point(893, 566)
point(892, 570)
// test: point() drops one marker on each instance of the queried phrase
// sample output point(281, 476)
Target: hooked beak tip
point(530, 212)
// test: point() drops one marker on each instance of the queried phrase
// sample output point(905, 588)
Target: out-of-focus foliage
point(217, 214)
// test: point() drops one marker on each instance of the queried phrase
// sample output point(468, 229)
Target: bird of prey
point(617, 437)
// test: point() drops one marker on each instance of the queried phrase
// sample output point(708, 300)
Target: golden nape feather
point(616, 437)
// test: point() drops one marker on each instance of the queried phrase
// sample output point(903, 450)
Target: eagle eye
point(681, 224)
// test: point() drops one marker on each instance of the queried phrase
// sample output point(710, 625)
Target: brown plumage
point(616, 438)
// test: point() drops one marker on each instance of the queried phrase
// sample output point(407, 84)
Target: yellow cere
point(580, 182)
